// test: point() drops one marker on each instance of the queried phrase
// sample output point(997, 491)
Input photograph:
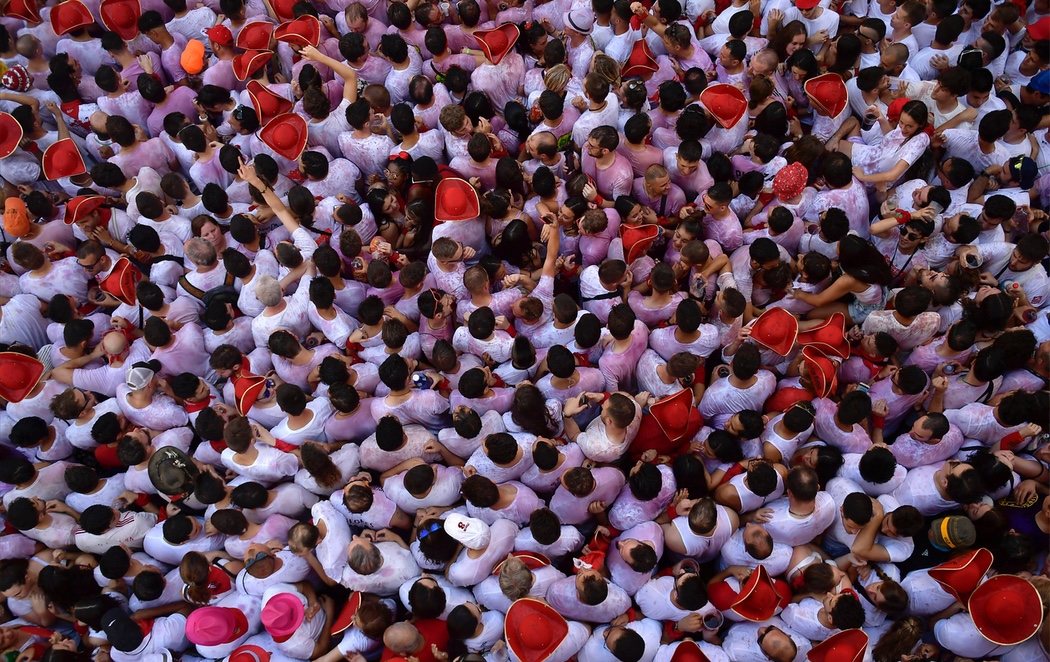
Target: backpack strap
point(192, 289)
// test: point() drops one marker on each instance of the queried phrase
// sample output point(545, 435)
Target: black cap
point(171, 471)
point(122, 631)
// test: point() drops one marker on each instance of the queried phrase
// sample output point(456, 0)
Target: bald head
point(114, 342)
point(403, 638)
point(764, 62)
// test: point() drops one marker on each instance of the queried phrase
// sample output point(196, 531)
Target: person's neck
point(44, 270)
point(299, 420)
point(742, 383)
point(906, 321)
point(683, 337)
point(659, 298)
point(596, 105)
point(842, 426)
point(303, 357)
point(249, 454)
point(203, 269)
point(606, 161)
point(620, 27)
point(665, 377)
point(621, 346)
point(900, 34)
point(735, 69)
point(564, 383)
point(801, 509)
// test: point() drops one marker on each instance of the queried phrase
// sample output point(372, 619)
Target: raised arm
point(344, 70)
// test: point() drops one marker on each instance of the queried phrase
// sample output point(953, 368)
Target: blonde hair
point(607, 68)
point(557, 78)
point(760, 89)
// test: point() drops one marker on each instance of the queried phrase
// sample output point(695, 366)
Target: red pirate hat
point(286, 134)
point(82, 205)
point(534, 629)
point(267, 103)
point(255, 36)
point(497, 42)
point(672, 414)
point(346, 616)
point(532, 561)
point(636, 240)
point(283, 9)
point(303, 31)
point(246, 390)
point(775, 329)
point(688, 651)
point(62, 159)
point(70, 15)
point(1006, 610)
point(19, 375)
point(10, 134)
point(121, 16)
point(961, 575)
point(827, 93)
point(122, 280)
point(725, 102)
point(829, 338)
point(456, 200)
point(845, 646)
point(640, 61)
point(23, 9)
point(249, 653)
point(822, 372)
point(758, 598)
point(246, 64)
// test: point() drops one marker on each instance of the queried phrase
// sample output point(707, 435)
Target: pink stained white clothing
point(613, 181)
point(722, 399)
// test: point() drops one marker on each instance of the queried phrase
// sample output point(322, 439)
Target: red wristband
point(599, 200)
point(878, 421)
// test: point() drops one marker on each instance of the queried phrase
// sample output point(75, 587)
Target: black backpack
point(226, 293)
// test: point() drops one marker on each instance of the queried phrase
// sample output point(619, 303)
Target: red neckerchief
point(72, 111)
point(194, 407)
point(296, 176)
point(582, 361)
point(282, 445)
point(218, 446)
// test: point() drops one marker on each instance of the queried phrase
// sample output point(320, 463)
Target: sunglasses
point(427, 530)
point(259, 556)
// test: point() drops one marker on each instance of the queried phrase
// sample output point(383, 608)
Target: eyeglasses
point(259, 556)
point(910, 234)
point(427, 530)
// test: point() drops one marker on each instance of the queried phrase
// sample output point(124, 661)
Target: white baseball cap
point(470, 532)
point(579, 19)
point(138, 378)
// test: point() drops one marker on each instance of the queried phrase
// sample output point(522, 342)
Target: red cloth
point(651, 437)
point(434, 631)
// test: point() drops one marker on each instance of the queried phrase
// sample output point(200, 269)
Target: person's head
point(960, 481)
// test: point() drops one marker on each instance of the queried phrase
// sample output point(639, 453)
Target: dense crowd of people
point(673, 331)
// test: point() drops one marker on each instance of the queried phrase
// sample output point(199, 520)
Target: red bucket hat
point(827, 93)
point(82, 205)
point(246, 64)
point(19, 375)
point(121, 16)
point(286, 134)
point(255, 36)
point(961, 575)
point(70, 15)
point(845, 646)
point(726, 103)
point(497, 42)
point(246, 390)
point(1006, 610)
point(758, 598)
point(775, 329)
point(672, 414)
point(790, 182)
point(688, 651)
point(829, 338)
point(822, 372)
point(455, 200)
point(534, 629)
point(121, 281)
point(10, 134)
point(640, 61)
point(23, 9)
point(267, 103)
point(62, 159)
point(636, 240)
point(303, 31)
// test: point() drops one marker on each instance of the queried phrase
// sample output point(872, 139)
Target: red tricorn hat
point(267, 103)
point(249, 653)
point(827, 93)
point(637, 240)
point(121, 281)
point(688, 651)
point(121, 16)
point(640, 61)
point(961, 575)
point(845, 646)
point(775, 329)
point(246, 64)
point(82, 205)
point(455, 200)
point(23, 9)
point(70, 15)
point(283, 9)
point(255, 36)
point(534, 629)
point(246, 390)
point(286, 134)
point(345, 618)
point(532, 561)
point(19, 375)
point(829, 338)
point(822, 372)
point(10, 134)
point(1006, 610)
point(672, 414)
point(303, 31)
point(497, 42)
point(62, 159)
point(725, 102)
point(758, 598)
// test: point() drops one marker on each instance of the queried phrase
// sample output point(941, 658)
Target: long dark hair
point(859, 258)
point(529, 411)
